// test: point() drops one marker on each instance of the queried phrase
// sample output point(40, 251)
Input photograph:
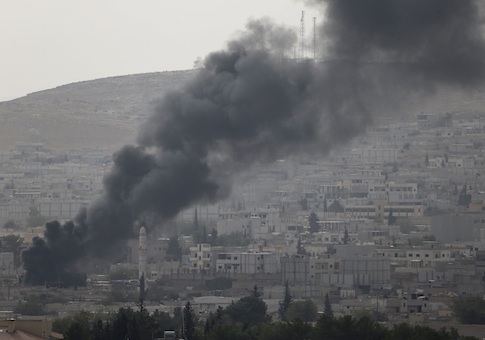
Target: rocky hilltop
point(97, 113)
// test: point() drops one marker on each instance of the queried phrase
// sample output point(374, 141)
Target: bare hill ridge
point(97, 113)
point(106, 112)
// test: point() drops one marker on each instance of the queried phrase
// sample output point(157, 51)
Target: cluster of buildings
point(392, 223)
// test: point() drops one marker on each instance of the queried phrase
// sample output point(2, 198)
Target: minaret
point(142, 259)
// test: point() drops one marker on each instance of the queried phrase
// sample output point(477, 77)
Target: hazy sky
point(54, 42)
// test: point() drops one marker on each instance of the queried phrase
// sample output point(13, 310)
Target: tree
point(130, 324)
point(146, 325)
point(391, 220)
point(11, 224)
point(213, 241)
point(77, 327)
point(327, 307)
point(303, 204)
point(225, 331)
point(464, 199)
point(31, 305)
point(178, 318)
point(394, 167)
point(190, 321)
point(174, 250)
point(313, 223)
point(249, 310)
point(35, 219)
point(163, 321)
point(336, 207)
point(256, 292)
point(219, 283)
point(142, 292)
point(196, 220)
point(204, 234)
point(13, 244)
point(296, 330)
point(305, 310)
point(78, 331)
point(406, 225)
point(286, 302)
point(300, 250)
point(346, 236)
point(99, 330)
point(123, 323)
point(469, 310)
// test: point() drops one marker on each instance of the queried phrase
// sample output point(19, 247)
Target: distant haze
point(54, 42)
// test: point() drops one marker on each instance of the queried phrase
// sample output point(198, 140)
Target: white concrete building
point(394, 193)
point(200, 258)
point(257, 224)
point(247, 262)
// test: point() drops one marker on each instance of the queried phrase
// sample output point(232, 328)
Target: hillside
point(98, 113)
point(106, 112)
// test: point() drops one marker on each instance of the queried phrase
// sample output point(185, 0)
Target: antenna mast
point(301, 54)
point(315, 40)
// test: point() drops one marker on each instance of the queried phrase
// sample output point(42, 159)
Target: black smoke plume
point(250, 103)
point(439, 39)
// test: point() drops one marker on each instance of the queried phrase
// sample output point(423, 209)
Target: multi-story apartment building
point(395, 193)
point(381, 209)
point(200, 258)
point(247, 262)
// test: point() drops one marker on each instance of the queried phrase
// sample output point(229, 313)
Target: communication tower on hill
point(315, 58)
point(302, 45)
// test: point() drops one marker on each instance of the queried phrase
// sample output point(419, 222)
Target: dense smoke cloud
point(440, 39)
point(250, 103)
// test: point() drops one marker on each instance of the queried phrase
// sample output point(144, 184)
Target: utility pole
point(315, 59)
